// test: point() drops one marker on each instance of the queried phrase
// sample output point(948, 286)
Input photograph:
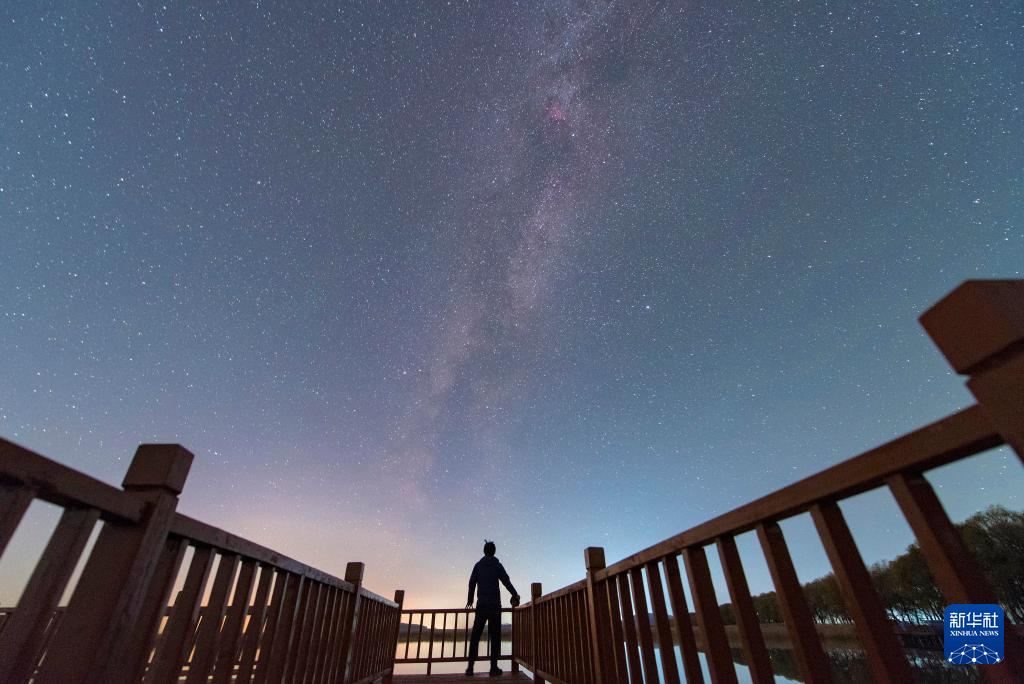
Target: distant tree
point(996, 538)
point(767, 607)
point(824, 600)
point(728, 616)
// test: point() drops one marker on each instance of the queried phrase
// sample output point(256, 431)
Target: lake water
point(849, 666)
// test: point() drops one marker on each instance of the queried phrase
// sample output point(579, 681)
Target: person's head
point(489, 548)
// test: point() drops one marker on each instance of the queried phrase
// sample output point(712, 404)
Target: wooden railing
point(240, 612)
point(441, 635)
point(598, 629)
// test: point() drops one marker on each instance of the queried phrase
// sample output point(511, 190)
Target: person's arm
point(503, 576)
point(472, 588)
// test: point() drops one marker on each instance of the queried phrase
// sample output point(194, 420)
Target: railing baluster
point(877, 636)
point(643, 625)
point(615, 628)
point(666, 644)
point(743, 607)
point(209, 633)
point(153, 610)
point(807, 647)
point(275, 616)
point(716, 643)
point(254, 629)
point(287, 627)
point(581, 633)
point(181, 624)
point(632, 655)
point(342, 619)
point(430, 644)
point(327, 635)
point(21, 639)
point(231, 633)
point(14, 501)
point(684, 625)
point(408, 633)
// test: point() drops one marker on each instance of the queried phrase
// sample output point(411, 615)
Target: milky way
point(545, 142)
point(409, 275)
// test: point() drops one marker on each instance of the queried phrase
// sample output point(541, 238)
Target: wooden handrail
point(961, 434)
point(58, 484)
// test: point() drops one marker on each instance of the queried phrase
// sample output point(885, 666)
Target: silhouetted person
point(486, 574)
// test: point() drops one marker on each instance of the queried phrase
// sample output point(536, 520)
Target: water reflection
point(849, 665)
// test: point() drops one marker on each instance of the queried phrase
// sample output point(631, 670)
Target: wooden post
point(354, 575)
point(601, 653)
point(93, 640)
point(400, 600)
point(536, 591)
point(979, 327)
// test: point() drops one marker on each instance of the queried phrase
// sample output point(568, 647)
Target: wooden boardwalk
point(459, 678)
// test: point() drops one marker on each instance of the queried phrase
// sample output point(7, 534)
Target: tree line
point(994, 536)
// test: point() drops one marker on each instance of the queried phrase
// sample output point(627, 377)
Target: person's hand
point(469, 606)
point(514, 601)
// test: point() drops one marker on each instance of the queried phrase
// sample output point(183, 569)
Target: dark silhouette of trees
point(994, 536)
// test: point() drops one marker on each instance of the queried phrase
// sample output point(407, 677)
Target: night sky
point(405, 276)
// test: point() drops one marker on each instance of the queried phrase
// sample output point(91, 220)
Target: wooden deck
point(459, 678)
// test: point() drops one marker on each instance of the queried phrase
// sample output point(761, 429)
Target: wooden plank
point(231, 633)
point(807, 649)
point(254, 628)
point(666, 644)
point(21, 639)
point(950, 562)
point(874, 628)
point(643, 625)
point(702, 589)
point(61, 485)
point(171, 653)
point(747, 621)
point(684, 625)
point(961, 434)
point(208, 636)
point(628, 622)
